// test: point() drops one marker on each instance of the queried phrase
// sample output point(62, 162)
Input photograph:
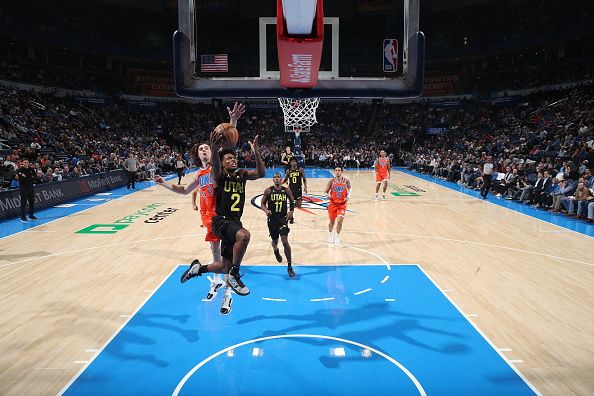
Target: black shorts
point(297, 193)
point(226, 229)
point(277, 227)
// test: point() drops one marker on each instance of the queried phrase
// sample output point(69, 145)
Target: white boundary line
point(322, 299)
point(189, 374)
point(363, 291)
point(493, 203)
point(481, 334)
point(469, 242)
point(65, 388)
point(385, 279)
point(274, 299)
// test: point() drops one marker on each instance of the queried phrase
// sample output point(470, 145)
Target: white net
point(300, 114)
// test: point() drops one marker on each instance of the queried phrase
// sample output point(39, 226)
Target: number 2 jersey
point(230, 195)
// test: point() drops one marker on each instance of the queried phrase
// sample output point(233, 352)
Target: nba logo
point(390, 55)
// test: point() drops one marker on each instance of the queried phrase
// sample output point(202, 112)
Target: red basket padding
point(299, 56)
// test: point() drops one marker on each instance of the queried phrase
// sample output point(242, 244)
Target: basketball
point(230, 134)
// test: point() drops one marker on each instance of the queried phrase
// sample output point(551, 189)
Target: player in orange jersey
point(382, 167)
point(202, 184)
point(339, 191)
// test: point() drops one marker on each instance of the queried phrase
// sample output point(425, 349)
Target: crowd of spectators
point(542, 151)
point(64, 138)
point(68, 137)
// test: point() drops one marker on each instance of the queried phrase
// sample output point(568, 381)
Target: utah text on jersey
point(310, 202)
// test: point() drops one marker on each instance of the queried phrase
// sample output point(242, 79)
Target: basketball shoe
point(234, 282)
point(192, 271)
point(337, 240)
point(227, 303)
point(215, 285)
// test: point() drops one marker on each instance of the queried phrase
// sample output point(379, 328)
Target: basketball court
point(439, 293)
point(431, 292)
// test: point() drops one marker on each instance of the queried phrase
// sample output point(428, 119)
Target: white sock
point(216, 278)
point(227, 291)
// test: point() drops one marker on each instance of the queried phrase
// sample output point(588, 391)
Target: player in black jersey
point(274, 204)
point(229, 183)
point(296, 177)
point(286, 157)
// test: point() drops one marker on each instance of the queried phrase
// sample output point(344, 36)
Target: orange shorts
point(207, 223)
point(380, 177)
point(335, 210)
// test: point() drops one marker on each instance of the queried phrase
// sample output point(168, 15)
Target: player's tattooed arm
point(264, 204)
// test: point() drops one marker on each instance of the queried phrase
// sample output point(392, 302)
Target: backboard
point(227, 49)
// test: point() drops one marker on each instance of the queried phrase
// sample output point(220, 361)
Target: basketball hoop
point(300, 114)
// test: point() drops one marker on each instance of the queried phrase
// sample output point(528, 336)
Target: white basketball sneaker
point(337, 240)
point(215, 285)
point(227, 303)
point(331, 238)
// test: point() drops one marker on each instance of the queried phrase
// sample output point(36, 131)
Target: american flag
point(214, 63)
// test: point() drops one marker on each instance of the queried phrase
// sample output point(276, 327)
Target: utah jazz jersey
point(294, 179)
point(277, 202)
point(230, 194)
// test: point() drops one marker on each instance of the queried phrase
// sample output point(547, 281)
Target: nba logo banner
point(390, 55)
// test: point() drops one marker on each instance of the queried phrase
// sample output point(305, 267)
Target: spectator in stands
point(566, 189)
point(131, 167)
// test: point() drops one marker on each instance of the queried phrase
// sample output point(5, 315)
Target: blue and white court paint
point(345, 330)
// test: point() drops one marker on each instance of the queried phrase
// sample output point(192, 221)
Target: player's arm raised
point(236, 113)
point(264, 203)
point(215, 160)
point(176, 188)
point(260, 170)
point(304, 180)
